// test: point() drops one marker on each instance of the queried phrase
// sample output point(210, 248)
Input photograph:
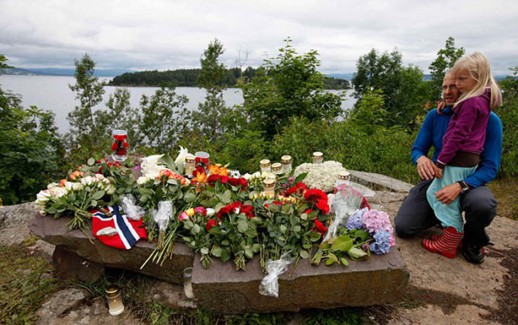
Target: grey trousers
point(416, 214)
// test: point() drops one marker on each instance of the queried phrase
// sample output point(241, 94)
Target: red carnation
point(314, 195)
point(323, 206)
point(299, 188)
point(211, 223)
point(320, 227)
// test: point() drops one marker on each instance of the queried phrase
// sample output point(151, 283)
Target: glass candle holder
point(202, 159)
point(189, 165)
point(343, 177)
point(269, 187)
point(286, 162)
point(265, 165)
point(120, 145)
point(187, 282)
point(115, 305)
point(318, 157)
point(277, 168)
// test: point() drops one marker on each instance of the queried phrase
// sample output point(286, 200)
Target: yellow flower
point(190, 212)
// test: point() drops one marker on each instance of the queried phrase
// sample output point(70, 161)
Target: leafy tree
point(286, 86)
point(30, 148)
point(401, 86)
point(369, 112)
point(165, 119)
point(445, 60)
point(209, 117)
point(89, 91)
point(508, 113)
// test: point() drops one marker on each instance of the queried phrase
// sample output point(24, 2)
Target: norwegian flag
point(117, 230)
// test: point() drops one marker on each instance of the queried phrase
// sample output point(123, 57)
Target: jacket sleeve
point(424, 139)
point(492, 155)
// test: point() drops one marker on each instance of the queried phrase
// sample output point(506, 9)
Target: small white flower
point(88, 180)
point(210, 212)
point(142, 180)
point(247, 176)
point(77, 186)
point(58, 192)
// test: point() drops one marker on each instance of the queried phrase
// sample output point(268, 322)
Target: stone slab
point(84, 245)
point(381, 279)
point(378, 182)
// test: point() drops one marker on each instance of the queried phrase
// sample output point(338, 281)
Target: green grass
point(25, 282)
point(505, 192)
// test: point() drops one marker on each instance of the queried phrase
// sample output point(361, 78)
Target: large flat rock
point(56, 232)
point(381, 279)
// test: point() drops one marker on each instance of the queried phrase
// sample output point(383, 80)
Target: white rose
point(88, 180)
point(58, 191)
point(142, 180)
point(247, 176)
point(257, 175)
point(77, 186)
point(42, 197)
point(210, 212)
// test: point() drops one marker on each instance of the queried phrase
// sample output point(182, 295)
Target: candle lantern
point(265, 165)
point(343, 177)
point(277, 168)
point(318, 157)
point(120, 145)
point(269, 187)
point(201, 159)
point(286, 164)
point(115, 305)
point(189, 165)
point(187, 282)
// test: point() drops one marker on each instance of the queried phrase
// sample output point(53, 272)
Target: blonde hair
point(478, 66)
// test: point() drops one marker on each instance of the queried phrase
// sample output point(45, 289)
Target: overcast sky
point(168, 34)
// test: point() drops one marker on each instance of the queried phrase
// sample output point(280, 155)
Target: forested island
point(232, 77)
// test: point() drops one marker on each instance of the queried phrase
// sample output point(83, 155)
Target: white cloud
point(162, 34)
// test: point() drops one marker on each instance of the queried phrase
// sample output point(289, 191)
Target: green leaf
point(189, 197)
point(356, 253)
point(204, 250)
point(196, 229)
point(217, 251)
point(300, 178)
point(331, 259)
point(344, 261)
point(283, 229)
point(249, 253)
point(93, 203)
point(342, 244)
point(315, 236)
point(304, 254)
point(98, 195)
point(225, 255)
point(242, 226)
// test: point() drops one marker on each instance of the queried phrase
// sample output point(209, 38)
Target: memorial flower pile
point(221, 214)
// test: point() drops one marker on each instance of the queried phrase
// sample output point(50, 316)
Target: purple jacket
point(467, 128)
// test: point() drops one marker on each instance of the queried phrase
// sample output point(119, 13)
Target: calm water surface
point(52, 93)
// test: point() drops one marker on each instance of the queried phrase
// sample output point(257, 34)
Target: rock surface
point(78, 250)
point(382, 279)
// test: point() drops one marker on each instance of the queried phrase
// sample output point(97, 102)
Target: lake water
point(52, 93)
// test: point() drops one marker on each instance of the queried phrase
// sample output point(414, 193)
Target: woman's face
point(464, 81)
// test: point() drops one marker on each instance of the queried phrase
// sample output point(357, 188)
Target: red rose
point(320, 227)
point(213, 179)
point(323, 206)
point(233, 181)
point(248, 210)
point(211, 223)
point(243, 182)
point(313, 195)
point(298, 189)
point(224, 179)
point(308, 211)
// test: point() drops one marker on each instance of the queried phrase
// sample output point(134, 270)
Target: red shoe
point(446, 245)
point(436, 237)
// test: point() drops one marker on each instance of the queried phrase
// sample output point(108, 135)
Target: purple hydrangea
point(382, 242)
point(374, 221)
point(355, 220)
